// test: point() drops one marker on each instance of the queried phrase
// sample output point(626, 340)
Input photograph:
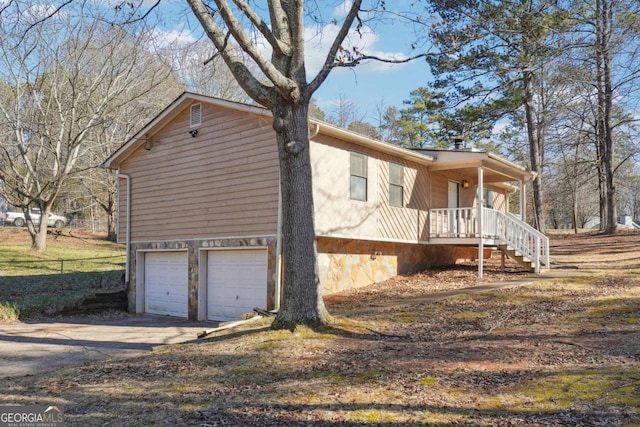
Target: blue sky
point(369, 84)
point(373, 83)
point(371, 87)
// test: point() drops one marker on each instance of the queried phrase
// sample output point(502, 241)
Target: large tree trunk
point(40, 238)
point(604, 132)
point(302, 301)
point(608, 158)
point(39, 233)
point(535, 153)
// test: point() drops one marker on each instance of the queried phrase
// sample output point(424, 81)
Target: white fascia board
point(384, 147)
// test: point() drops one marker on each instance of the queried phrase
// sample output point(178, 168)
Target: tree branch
point(254, 88)
point(362, 57)
point(329, 62)
point(264, 29)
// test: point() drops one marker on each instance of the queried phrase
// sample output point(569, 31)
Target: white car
point(17, 219)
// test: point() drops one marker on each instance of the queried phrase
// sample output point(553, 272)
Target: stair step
point(518, 257)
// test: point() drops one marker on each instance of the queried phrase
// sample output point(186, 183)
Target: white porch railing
point(453, 222)
point(508, 229)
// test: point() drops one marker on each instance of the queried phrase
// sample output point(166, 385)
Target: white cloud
point(179, 37)
point(342, 10)
point(319, 42)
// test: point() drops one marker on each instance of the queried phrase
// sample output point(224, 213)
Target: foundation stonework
point(347, 263)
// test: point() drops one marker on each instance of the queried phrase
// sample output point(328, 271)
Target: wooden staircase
point(522, 243)
point(512, 236)
point(513, 254)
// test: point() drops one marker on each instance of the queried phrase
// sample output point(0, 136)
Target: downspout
point(128, 229)
point(315, 132)
point(523, 200)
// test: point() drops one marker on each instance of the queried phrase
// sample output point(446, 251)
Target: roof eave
point(173, 109)
point(346, 135)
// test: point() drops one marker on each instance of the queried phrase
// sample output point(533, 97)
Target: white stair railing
point(525, 239)
point(509, 229)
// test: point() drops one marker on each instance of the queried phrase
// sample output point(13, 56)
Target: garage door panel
point(166, 283)
point(236, 282)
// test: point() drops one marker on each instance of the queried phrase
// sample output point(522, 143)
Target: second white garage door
point(165, 283)
point(236, 282)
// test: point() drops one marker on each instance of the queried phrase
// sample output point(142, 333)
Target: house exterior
point(200, 209)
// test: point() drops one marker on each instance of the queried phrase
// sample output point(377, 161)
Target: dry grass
point(76, 264)
point(560, 352)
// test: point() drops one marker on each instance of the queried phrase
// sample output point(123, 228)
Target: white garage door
point(236, 282)
point(165, 283)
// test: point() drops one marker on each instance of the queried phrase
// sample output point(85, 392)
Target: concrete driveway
point(37, 348)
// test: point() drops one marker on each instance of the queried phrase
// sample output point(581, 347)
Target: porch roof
point(496, 168)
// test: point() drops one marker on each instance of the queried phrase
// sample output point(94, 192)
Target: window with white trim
point(358, 185)
point(196, 115)
point(396, 185)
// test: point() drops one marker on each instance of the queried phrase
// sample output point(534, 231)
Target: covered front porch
point(483, 223)
point(489, 228)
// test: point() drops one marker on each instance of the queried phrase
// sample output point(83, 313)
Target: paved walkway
point(35, 348)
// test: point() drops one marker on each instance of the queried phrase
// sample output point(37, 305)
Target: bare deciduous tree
point(204, 72)
point(282, 86)
point(63, 76)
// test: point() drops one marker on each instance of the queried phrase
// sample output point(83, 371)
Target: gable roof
point(317, 126)
point(437, 160)
point(165, 116)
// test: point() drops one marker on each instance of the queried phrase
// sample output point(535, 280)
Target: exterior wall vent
point(196, 115)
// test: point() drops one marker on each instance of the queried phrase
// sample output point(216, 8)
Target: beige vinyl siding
point(338, 216)
point(440, 189)
point(223, 182)
point(335, 212)
point(408, 222)
point(122, 210)
point(500, 201)
point(497, 198)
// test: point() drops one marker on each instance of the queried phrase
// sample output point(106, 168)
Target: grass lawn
point(562, 351)
point(75, 265)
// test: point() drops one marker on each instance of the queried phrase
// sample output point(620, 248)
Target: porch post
point(480, 205)
point(523, 201)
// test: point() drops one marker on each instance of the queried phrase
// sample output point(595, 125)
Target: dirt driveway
point(36, 348)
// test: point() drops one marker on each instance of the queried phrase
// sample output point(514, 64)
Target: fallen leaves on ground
point(560, 352)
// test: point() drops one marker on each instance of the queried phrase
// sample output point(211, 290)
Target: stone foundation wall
point(346, 263)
